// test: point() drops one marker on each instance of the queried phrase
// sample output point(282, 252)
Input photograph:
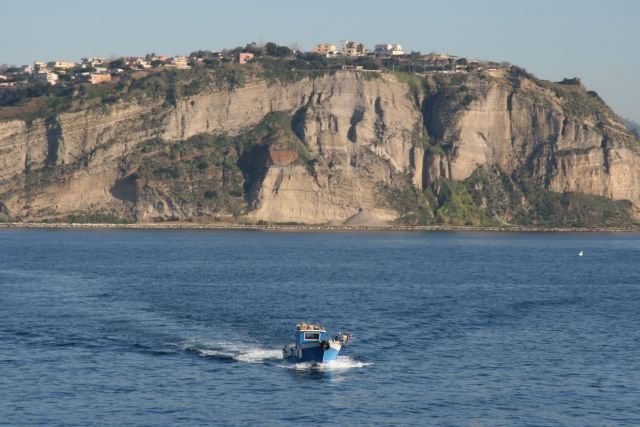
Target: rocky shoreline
point(320, 228)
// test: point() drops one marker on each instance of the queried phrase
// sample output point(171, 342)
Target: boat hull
point(314, 353)
point(330, 354)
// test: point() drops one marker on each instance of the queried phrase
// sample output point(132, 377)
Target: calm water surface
point(185, 328)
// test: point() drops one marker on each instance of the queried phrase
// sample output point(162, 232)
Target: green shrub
point(457, 206)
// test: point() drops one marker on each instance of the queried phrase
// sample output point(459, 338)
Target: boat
point(313, 346)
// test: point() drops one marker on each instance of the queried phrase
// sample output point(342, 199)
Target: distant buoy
point(580, 253)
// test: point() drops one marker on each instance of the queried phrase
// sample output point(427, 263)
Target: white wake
point(247, 353)
point(231, 351)
point(342, 363)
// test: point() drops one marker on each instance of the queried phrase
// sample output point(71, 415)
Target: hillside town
point(349, 55)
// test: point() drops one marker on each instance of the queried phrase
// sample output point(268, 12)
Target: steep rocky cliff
point(478, 148)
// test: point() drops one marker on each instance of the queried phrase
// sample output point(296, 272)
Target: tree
point(273, 49)
point(270, 48)
point(118, 63)
point(253, 48)
point(66, 78)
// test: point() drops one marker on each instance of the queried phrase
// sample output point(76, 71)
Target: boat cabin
point(306, 333)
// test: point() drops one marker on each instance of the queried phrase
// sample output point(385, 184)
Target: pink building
point(243, 57)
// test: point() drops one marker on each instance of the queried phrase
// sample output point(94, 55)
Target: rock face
point(506, 127)
point(348, 136)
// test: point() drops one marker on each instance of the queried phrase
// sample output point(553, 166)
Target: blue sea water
point(185, 328)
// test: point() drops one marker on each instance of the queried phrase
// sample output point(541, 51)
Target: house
point(95, 78)
point(179, 62)
point(45, 76)
point(244, 57)
point(326, 49)
point(129, 62)
point(39, 66)
point(95, 62)
point(98, 60)
point(141, 64)
point(61, 65)
point(388, 50)
point(436, 57)
point(5, 81)
point(351, 48)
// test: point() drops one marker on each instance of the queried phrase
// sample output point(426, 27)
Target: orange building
point(94, 79)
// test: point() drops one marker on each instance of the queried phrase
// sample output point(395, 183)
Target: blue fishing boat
point(313, 346)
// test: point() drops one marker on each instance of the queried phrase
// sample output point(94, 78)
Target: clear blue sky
point(595, 40)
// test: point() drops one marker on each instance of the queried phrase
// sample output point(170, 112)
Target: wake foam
point(258, 355)
point(246, 353)
point(231, 351)
point(235, 352)
point(342, 363)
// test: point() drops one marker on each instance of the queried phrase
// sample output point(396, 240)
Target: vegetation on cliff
point(489, 197)
point(214, 174)
point(578, 101)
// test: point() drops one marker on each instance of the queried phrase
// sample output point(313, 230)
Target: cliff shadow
point(254, 165)
point(432, 119)
point(54, 139)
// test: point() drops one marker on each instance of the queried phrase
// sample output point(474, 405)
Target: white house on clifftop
point(389, 49)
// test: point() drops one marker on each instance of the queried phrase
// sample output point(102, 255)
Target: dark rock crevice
point(605, 154)
point(55, 139)
point(432, 124)
point(380, 125)
point(254, 165)
point(356, 118)
point(298, 123)
point(510, 111)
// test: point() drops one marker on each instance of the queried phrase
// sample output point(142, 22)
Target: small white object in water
point(580, 253)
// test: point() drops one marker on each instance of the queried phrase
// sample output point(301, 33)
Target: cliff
point(490, 148)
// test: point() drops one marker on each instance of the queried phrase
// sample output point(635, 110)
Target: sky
point(595, 40)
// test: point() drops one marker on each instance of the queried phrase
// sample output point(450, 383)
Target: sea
point(185, 328)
